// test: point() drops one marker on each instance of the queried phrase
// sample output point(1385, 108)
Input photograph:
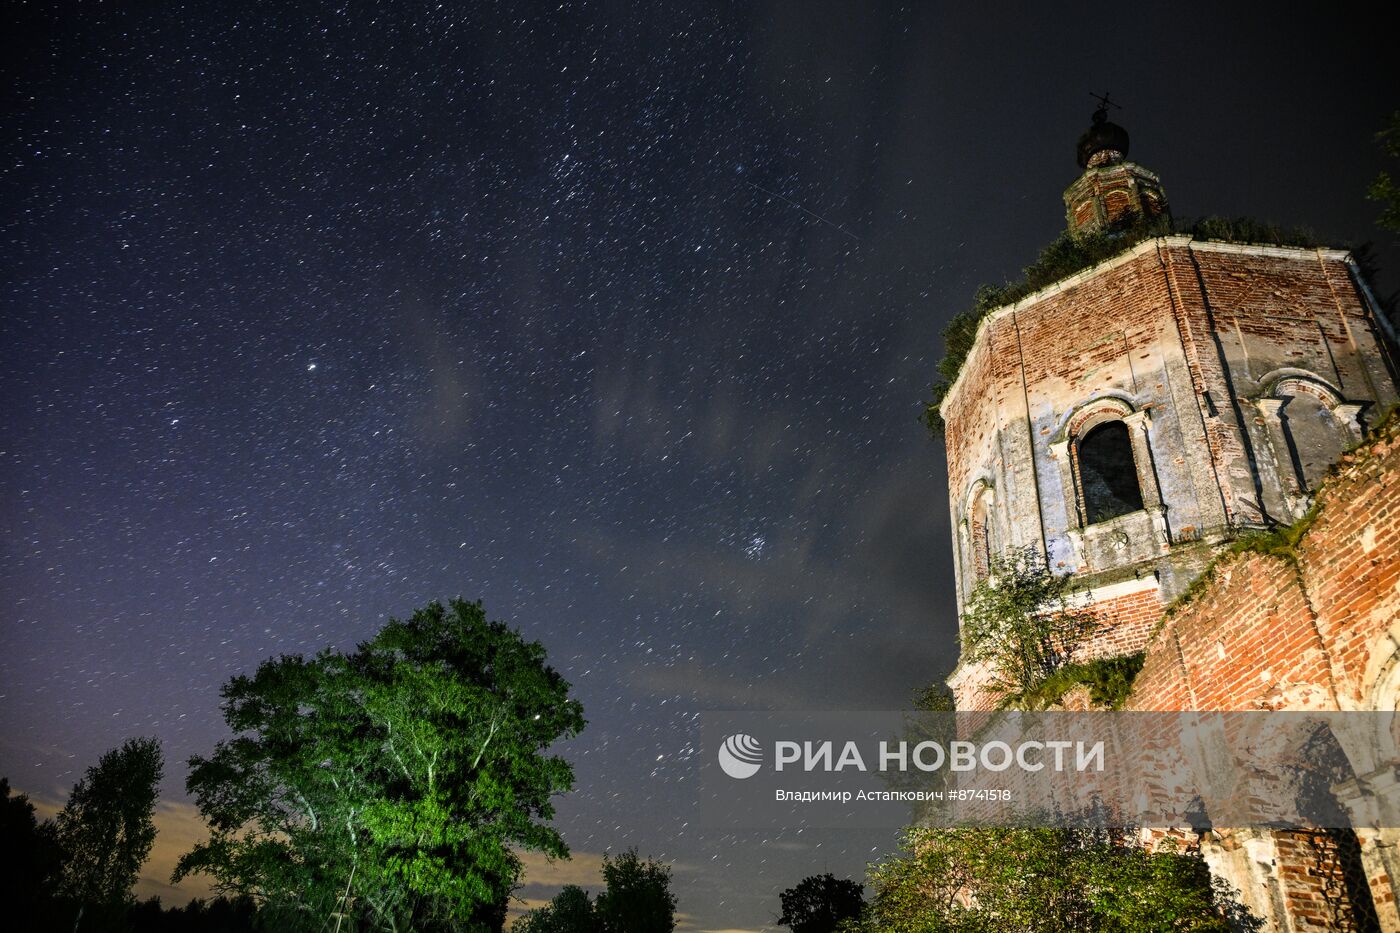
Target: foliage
point(1384, 189)
point(1109, 680)
point(1043, 881)
point(820, 903)
point(105, 831)
point(937, 697)
point(1280, 543)
point(569, 912)
point(637, 897)
point(30, 861)
point(1072, 253)
point(1024, 621)
point(34, 863)
point(1250, 230)
point(386, 789)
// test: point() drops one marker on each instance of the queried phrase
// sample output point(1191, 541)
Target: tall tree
point(637, 897)
point(820, 903)
point(107, 828)
point(388, 788)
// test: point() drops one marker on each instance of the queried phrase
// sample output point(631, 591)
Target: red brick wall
point(1190, 334)
point(1128, 624)
point(1270, 632)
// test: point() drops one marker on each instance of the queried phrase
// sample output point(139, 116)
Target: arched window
point(1108, 478)
point(980, 535)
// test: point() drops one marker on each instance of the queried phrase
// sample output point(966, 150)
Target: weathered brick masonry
point(1317, 628)
point(1130, 422)
point(1241, 372)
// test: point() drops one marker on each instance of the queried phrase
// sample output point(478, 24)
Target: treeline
point(636, 898)
point(76, 871)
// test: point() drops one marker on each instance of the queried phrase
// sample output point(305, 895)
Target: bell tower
point(1133, 417)
point(1112, 193)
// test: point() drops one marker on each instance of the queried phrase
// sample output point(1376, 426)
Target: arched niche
point(980, 535)
point(1309, 423)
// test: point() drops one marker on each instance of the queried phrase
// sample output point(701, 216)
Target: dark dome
point(1100, 137)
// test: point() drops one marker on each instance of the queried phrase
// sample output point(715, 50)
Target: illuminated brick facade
point(1130, 421)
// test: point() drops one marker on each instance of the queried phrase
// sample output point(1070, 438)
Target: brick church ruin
point(1131, 422)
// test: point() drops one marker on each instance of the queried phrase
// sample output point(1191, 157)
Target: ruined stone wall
point(1265, 325)
point(1310, 629)
point(1111, 194)
point(1105, 334)
point(1316, 626)
point(1129, 622)
point(1311, 625)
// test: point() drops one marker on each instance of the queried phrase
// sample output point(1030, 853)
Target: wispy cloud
point(541, 873)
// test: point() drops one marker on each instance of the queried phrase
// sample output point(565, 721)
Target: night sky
point(616, 317)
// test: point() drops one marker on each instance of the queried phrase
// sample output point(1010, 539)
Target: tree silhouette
point(1385, 189)
point(569, 912)
point(106, 829)
point(820, 903)
point(638, 896)
point(30, 860)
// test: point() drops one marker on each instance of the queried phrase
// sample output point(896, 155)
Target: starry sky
point(615, 316)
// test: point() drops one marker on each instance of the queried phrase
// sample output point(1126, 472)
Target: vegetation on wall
point(1044, 880)
point(1025, 622)
point(1070, 254)
point(1385, 189)
point(1109, 681)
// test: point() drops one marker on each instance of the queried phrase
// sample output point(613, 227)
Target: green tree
point(106, 830)
point(1385, 189)
point(388, 788)
point(1025, 622)
point(1044, 881)
point(637, 898)
point(820, 903)
point(569, 912)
